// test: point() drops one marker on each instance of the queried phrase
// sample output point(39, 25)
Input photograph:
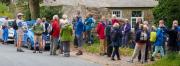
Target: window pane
point(117, 13)
point(136, 13)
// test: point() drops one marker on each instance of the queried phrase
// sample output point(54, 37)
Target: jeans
point(5, 34)
point(157, 49)
point(79, 40)
point(138, 48)
point(89, 37)
point(125, 40)
point(54, 45)
point(66, 46)
point(116, 52)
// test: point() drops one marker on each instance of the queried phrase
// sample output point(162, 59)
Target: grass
point(172, 59)
point(95, 48)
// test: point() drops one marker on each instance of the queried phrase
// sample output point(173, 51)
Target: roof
point(103, 3)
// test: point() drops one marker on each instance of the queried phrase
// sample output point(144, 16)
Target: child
point(116, 35)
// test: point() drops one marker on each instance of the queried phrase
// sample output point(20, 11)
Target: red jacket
point(114, 21)
point(101, 30)
point(56, 29)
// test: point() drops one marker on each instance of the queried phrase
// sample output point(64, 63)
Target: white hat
point(20, 14)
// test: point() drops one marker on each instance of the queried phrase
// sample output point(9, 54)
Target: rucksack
point(153, 36)
point(38, 29)
point(115, 34)
point(143, 37)
point(46, 28)
point(15, 26)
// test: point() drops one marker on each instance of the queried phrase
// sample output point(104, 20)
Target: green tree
point(7, 2)
point(4, 11)
point(168, 10)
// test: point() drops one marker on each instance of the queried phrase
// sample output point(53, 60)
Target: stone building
point(130, 9)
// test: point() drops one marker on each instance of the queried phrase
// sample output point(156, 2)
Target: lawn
point(172, 59)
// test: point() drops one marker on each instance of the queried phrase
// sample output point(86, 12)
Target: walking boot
point(20, 50)
point(79, 52)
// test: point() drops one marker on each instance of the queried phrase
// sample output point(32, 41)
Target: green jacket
point(38, 29)
point(67, 33)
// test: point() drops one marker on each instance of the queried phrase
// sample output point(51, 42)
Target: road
point(9, 57)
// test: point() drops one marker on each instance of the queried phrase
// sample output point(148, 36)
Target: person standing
point(19, 31)
point(159, 41)
point(101, 35)
point(89, 24)
point(38, 30)
point(139, 21)
point(115, 36)
point(45, 34)
point(126, 31)
point(141, 39)
point(79, 27)
point(55, 34)
point(66, 37)
point(148, 45)
point(5, 30)
point(173, 36)
point(108, 39)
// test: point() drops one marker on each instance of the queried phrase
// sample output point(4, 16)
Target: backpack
point(143, 37)
point(153, 36)
point(115, 34)
point(46, 28)
point(15, 26)
point(38, 29)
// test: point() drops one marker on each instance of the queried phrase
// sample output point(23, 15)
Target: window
point(134, 16)
point(118, 13)
point(136, 13)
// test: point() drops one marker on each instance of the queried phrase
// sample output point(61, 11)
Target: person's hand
point(122, 32)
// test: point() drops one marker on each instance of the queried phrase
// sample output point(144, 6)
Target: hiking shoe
point(34, 51)
point(118, 58)
point(152, 59)
point(79, 53)
point(20, 50)
point(113, 59)
point(40, 52)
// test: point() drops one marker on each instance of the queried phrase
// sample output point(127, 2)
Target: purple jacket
point(126, 28)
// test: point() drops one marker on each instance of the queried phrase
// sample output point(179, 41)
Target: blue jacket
point(89, 22)
point(79, 26)
point(160, 37)
point(178, 29)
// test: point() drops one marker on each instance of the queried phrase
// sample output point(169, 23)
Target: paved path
point(9, 57)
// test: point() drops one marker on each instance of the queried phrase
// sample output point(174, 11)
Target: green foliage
point(172, 59)
point(4, 11)
point(49, 12)
point(7, 2)
point(168, 10)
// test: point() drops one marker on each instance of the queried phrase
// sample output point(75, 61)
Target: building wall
point(127, 12)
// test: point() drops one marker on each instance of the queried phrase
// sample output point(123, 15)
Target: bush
point(49, 12)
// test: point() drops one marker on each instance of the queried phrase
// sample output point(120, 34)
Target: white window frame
point(116, 14)
point(136, 17)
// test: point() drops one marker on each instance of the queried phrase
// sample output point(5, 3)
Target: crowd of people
point(112, 33)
